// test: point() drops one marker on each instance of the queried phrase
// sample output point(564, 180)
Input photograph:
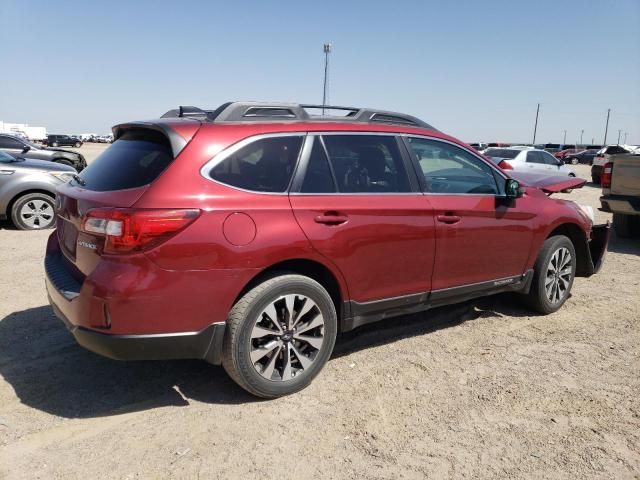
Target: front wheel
point(77, 144)
point(279, 336)
point(33, 211)
point(553, 275)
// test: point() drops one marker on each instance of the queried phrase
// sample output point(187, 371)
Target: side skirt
point(369, 312)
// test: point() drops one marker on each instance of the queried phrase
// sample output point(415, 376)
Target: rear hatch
point(116, 179)
point(625, 179)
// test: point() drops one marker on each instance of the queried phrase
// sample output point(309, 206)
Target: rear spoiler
point(177, 134)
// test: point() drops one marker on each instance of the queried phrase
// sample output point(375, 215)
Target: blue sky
point(473, 69)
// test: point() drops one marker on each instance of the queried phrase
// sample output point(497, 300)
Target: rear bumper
point(205, 345)
point(71, 304)
point(624, 204)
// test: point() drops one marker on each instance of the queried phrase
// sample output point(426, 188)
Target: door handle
point(448, 219)
point(331, 218)
point(6, 172)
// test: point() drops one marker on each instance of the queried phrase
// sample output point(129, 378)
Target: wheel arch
point(580, 243)
point(22, 193)
point(313, 269)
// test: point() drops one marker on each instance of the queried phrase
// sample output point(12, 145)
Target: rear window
point(137, 158)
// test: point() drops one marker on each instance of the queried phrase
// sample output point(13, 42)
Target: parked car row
point(523, 159)
point(100, 138)
point(28, 189)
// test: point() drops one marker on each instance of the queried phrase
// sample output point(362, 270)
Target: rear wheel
point(595, 179)
point(279, 336)
point(33, 211)
point(574, 161)
point(54, 144)
point(77, 145)
point(553, 275)
point(624, 225)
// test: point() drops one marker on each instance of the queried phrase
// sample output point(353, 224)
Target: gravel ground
point(480, 390)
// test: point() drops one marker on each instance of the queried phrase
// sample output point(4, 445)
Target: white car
point(528, 159)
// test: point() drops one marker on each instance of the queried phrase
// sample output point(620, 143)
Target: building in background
point(24, 129)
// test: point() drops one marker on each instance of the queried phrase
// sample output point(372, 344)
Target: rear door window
point(318, 177)
point(535, 157)
point(264, 165)
point(367, 164)
point(137, 158)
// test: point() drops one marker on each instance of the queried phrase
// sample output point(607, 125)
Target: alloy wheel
point(287, 337)
point(558, 277)
point(36, 213)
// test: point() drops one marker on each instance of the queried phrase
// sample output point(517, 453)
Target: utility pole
point(564, 141)
point(535, 128)
point(581, 133)
point(326, 48)
point(625, 137)
point(619, 132)
point(606, 128)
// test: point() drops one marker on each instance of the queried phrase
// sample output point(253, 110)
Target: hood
point(40, 165)
point(548, 183)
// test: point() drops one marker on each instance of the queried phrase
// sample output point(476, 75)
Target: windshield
point(501, 153)
point(6, 158)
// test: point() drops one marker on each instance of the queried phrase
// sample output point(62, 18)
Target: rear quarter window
point(263, 165)
point(136, 159)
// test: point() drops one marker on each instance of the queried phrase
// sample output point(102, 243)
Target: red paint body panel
point(389, 245)
point(386, 246)
point(490, 241)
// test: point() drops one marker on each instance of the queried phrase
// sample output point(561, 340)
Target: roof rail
point(266, 111)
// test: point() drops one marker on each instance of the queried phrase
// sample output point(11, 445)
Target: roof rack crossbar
point(264, 111)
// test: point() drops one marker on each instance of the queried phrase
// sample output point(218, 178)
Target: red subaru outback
point(250, 235)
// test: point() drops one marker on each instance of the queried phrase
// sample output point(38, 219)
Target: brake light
point(605, 178)
point(130, 230)
point(504, 165)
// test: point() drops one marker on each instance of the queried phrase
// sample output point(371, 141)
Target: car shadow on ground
point(629, 246)
point(48, 371)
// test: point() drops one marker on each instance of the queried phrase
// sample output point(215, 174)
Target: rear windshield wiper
point(79, 180)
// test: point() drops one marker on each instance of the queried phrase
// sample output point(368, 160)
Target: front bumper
point(65, 299)
point(600, 235)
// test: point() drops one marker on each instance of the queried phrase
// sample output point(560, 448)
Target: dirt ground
point(480, 390)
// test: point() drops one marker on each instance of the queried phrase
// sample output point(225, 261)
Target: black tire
point(54, 144)
point(537, 298)
point(574, 161)
point(77, 145)
point(42, 222)
point(243, 317)
point(595, 179)
point(623, 225)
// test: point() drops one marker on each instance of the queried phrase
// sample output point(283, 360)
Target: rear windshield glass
point(501, 153)
point(137, 158)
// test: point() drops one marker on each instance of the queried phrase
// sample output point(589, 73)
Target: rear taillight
point(605, 178)
point(130, 230)
point(504, 165)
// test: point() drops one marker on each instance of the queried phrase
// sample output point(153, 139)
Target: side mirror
point(512, 189)
point(26, 149)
